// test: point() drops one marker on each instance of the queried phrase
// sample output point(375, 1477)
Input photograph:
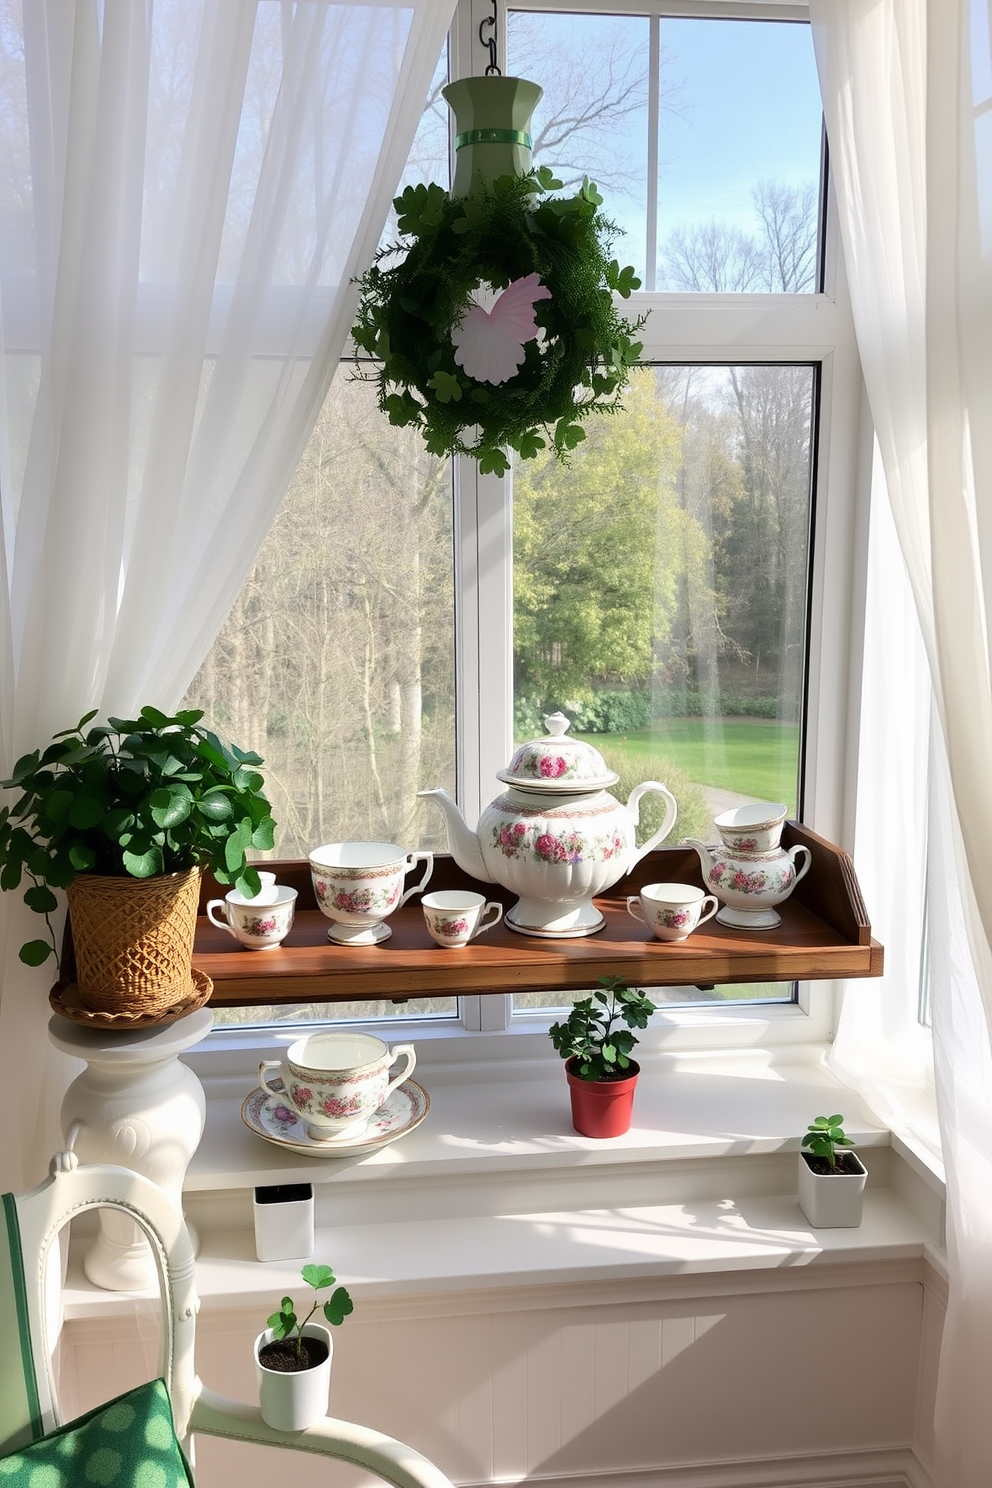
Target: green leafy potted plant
point(123, 815)
point(293, 1358)
point(596, 1040)
point(414, 314)
point(831, 1179)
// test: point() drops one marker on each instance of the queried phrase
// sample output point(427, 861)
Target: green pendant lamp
point(492, 128)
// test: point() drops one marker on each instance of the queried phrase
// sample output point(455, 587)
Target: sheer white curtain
point(881, 1047)
point(188, 189)
point(907, 87)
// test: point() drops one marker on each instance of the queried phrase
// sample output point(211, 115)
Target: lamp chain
point(490, 42)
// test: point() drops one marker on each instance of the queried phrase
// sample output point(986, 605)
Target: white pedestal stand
point(137, 1105)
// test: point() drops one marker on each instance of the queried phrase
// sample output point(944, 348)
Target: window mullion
point(654, 115)
point(490, 1014)
point(484, 633)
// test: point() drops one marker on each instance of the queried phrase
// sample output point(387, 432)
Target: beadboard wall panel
point(670, 1390)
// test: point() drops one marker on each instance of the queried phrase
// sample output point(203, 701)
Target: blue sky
point(740, 105)
point(749, 111)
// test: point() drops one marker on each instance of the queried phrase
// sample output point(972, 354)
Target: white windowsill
point(495, 1190)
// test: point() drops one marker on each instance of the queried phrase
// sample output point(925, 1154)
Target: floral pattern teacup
point(455, 916)
point(752, 829)
point(260, 925)
point(358, 884)
point(672, 911)
point(335, 1082)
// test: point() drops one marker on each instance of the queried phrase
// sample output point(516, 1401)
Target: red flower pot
point(601, 1108)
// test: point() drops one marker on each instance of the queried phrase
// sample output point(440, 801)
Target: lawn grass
point(754, 757)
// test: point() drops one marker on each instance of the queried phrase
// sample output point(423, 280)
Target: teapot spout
point(703, 852)
point(463, 842)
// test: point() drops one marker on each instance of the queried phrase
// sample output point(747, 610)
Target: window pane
point(739, 156)
point(714, 173)
point(337, 662)
point(430, 154)
point(593, 118)
point(660, 591)
point(313, 1013)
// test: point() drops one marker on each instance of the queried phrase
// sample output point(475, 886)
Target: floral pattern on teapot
point(517, 840)
point(545, 766)
point(774, 879)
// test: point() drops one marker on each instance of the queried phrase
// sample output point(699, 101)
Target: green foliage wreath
point(507, 229)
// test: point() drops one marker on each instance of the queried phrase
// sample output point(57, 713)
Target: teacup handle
point(222, 924)
point(409, 1053)
point(411, 859)
point(490, 924)
point(800, 872)
point(633, 899)
point(710, 899)
point(274, 1064)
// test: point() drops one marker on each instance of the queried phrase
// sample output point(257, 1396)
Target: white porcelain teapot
point(556, 837)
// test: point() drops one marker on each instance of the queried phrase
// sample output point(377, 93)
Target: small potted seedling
point(831, 1179)
point(596, 1040)
point(293, 1358)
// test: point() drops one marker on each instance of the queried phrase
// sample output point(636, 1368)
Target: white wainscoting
point(534, 1307)
point(775, 1379)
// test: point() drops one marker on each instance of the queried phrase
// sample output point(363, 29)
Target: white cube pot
point(832, 1201)
point(298, 1399)
point(283, 1216)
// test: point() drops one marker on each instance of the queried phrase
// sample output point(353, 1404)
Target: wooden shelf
point(824, 933)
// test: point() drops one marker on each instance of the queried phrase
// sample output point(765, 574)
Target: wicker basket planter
point(123, 816)
point(133, 940)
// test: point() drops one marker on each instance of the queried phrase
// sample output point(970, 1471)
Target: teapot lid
point(557, 764)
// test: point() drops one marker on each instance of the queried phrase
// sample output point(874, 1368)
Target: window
point(398, 631)
point(704, 133)
point(660, 593)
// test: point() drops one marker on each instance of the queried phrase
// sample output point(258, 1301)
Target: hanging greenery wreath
point(555, 352)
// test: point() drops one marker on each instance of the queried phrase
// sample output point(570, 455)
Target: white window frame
point(721, 329)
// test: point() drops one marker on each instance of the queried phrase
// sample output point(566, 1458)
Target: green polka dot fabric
point(129, 1443)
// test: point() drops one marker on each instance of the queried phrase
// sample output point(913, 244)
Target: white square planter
point(284, 1221)
point(832, 1201)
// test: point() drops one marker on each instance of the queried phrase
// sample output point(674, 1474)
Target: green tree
point(337, 657)
point(763, 550)
point(709, 487)
point(598, 550)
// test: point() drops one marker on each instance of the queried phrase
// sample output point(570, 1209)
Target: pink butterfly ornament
point(489, 344)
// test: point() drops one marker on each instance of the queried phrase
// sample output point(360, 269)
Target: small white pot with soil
point(832, 1198)
point(294, 1386)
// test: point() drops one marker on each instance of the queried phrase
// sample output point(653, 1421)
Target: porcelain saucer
point(269, 1119)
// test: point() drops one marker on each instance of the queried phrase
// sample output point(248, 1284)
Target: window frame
point(809, 328)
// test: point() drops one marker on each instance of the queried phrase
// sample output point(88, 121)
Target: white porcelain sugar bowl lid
point(558, 764)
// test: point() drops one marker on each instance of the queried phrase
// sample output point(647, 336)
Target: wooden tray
point(824, 933)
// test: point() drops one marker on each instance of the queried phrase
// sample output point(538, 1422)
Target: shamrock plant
point(130, 797)
point(824, 1135)
point(284, 1322)
point(598, 1034)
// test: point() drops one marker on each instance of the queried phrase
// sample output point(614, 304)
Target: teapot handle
point(671, 812)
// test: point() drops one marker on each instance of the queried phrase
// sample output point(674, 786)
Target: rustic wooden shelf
point(824, 933)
